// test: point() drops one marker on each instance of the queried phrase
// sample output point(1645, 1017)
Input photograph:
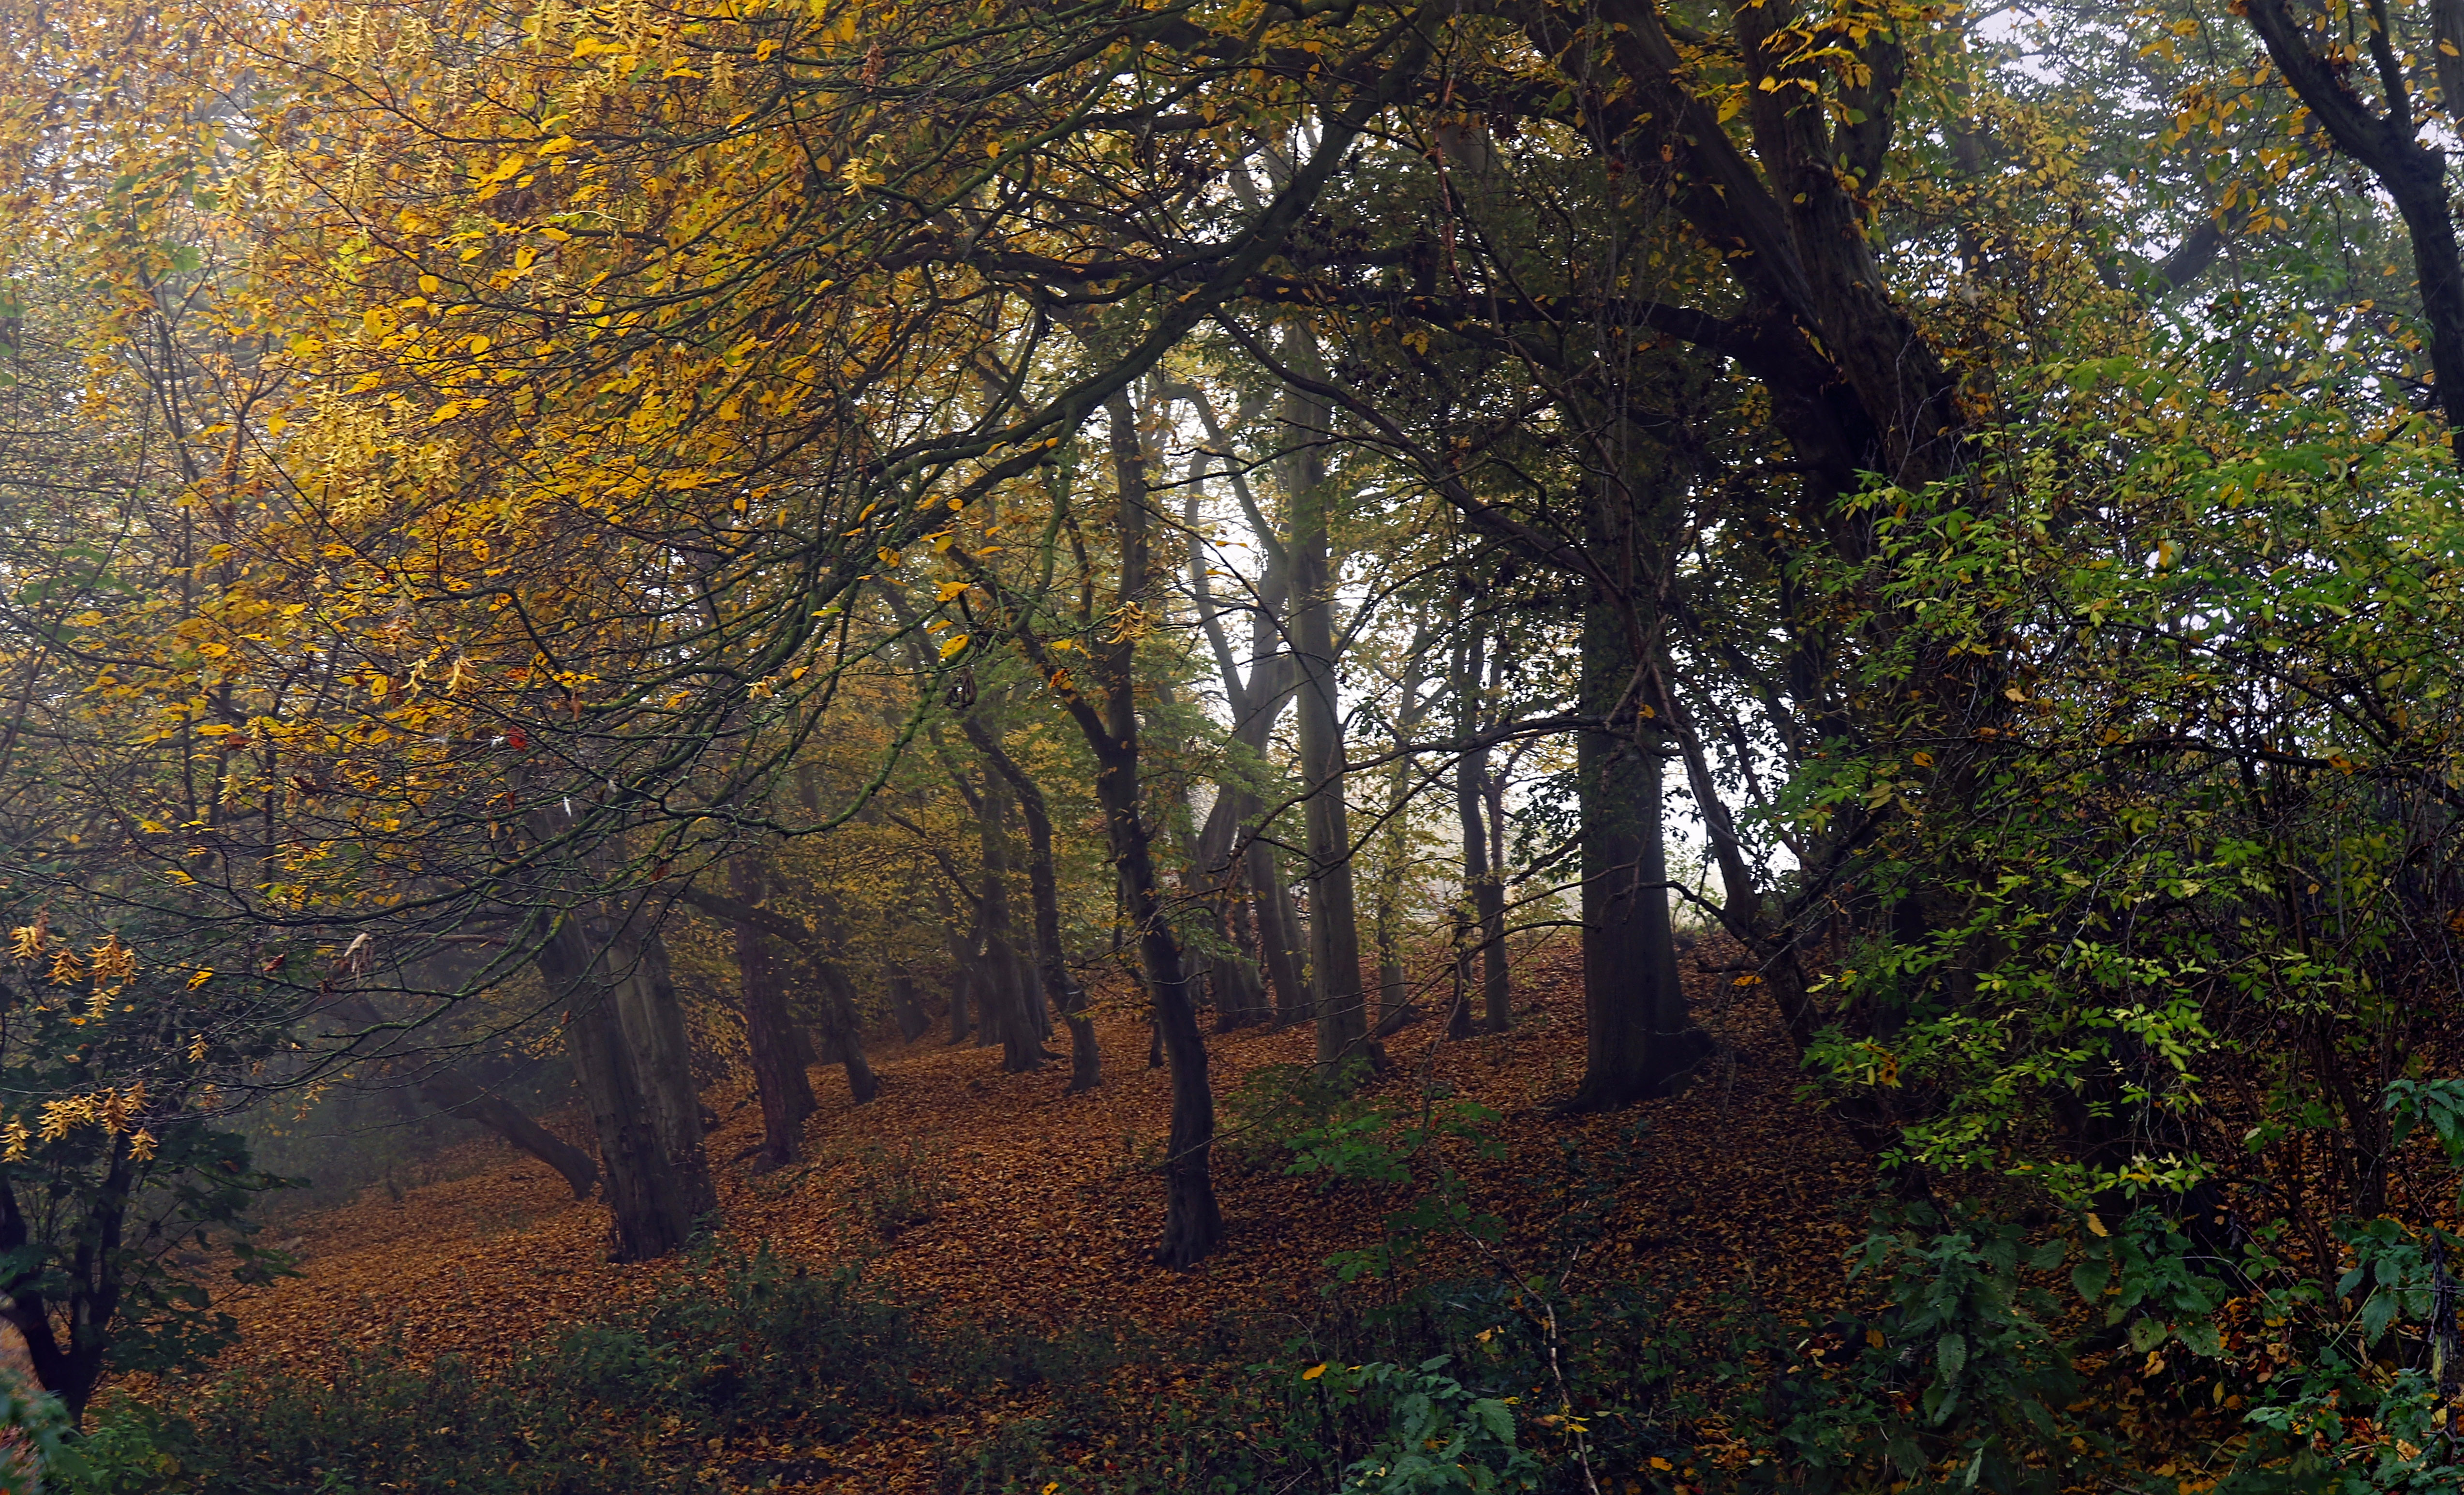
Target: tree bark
point(1003, 999)
point(2389, 146)
point(842, 1029)
point(906, 1007)
point(1043, 887)
point(1639, 1041)
point(1193, 1221)
point(454, 1093)
point(1472, 933)
point(1280, 939)
point(652, 1213)
point(1386, 914)
point(1335, 930)
point(653, 1022)
point(777, 1048)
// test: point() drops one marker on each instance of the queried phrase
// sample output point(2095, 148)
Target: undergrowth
point(1965, 1365)
point(629, 1403)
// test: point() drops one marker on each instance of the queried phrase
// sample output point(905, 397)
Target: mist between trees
point(556, 558)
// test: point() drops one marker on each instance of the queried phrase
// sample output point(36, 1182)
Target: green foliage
point(1342, 1133)
point(1274, 1105)
point(1441, 1436)
point(1958, 1370)
point(1442, 1389)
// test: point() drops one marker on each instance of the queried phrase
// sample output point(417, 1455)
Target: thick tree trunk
point(1639, 1041)
point(842, 1030)
point(653, 1022)
point(771, 1034)
point(906, 1007)
point(1240, 996)
point(1239, 932)
point(652, 1212)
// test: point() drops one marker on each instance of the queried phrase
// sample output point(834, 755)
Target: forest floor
point(1039, 1208)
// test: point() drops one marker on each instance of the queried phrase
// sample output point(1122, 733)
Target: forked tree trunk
point(1051, 962)
point(842, 1032)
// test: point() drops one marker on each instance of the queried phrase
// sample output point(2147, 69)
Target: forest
point(1258, 747)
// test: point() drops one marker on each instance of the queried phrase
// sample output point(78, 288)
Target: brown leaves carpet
point(1041, 1207)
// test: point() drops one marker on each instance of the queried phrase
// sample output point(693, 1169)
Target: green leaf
point(2147, 1333)
point(1950, 1357)
point(2376, 1315)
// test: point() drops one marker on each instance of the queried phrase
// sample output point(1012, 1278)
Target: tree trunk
point(1395, 840)
point(1002, 998)
point(1278, 936)
point(771, 1034)
point(1469, 927)
point(652, 1214)
point(1639, 1041)
point(453, 1093)
point(1043, 886)
point(1484, 890)
point(1335, 930)
point(905, 1005)
point(842, 1030)
point(1239, 932)
point(1493, 970)
point(1193, 1222)
point(653, 1022)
